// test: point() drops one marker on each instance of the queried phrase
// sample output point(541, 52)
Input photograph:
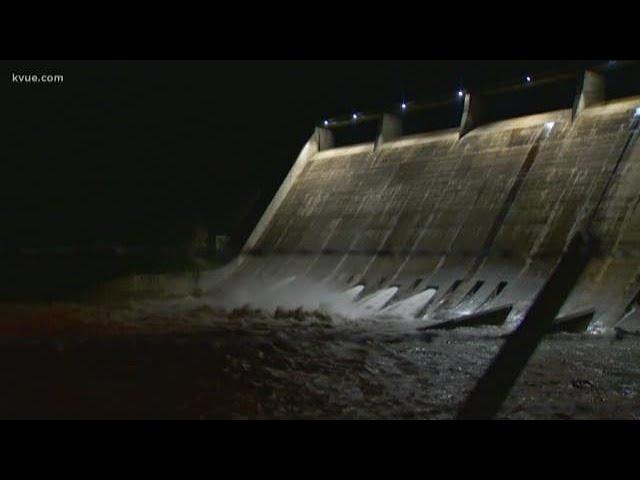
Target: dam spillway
point(480, 213)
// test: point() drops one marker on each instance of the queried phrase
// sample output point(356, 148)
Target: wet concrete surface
point(195, 361)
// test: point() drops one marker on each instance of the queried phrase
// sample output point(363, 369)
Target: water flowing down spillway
point(412, 306)
point(482, 218)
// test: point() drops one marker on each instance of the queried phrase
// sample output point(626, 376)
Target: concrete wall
point(497, 204)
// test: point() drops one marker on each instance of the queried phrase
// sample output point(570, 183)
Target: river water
point(190, 359)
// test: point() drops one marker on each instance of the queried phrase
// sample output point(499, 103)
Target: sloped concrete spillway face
point(490, 212)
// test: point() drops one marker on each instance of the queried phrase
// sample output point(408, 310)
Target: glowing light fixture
point(354, 116)
point(326, 123)
point(460, 93)
point(403, 106)
point(528, 79)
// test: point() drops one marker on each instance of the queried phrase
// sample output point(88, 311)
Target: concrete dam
point(453, 222)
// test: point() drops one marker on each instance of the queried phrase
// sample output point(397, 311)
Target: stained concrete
point(497, 204)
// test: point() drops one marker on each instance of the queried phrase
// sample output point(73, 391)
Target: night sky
point(142, 152)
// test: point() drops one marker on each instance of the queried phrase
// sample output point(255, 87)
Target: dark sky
point(140, 152)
